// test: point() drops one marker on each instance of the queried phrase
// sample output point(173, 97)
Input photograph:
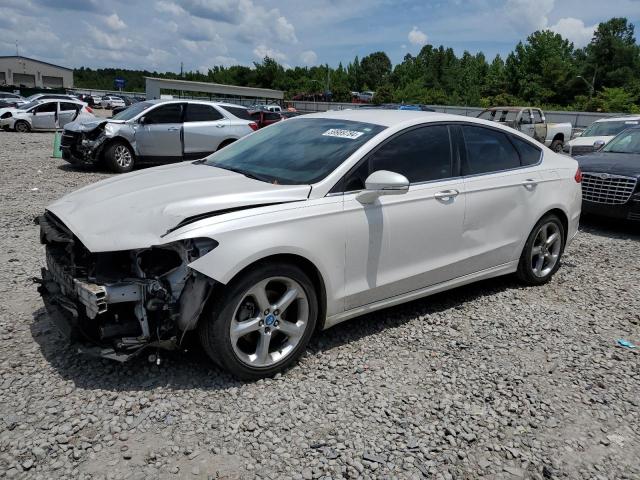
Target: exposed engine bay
point(115, 304)
point(84, 144)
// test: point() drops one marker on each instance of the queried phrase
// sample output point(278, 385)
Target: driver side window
point(50, 107)
point(421, 154)
point(171, 113)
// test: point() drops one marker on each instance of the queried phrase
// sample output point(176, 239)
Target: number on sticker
point(341, 133)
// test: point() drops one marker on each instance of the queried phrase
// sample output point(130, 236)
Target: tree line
point(546, 70)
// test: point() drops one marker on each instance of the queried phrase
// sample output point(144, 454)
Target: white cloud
point(262, 51)
point(308, 57)
point(417, 37)
point(403, 46)
point(169, 7)
point(529, 14)
point(574, 30)
point(114, 22)
point(107, 41)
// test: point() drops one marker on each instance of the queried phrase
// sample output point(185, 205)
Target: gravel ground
point(489, 380)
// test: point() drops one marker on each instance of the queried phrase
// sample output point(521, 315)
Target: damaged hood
point(134, 210)
point(87, 125)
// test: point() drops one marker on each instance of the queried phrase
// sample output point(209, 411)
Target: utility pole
point(181, 70)
point(17, 50)
point(592, 85)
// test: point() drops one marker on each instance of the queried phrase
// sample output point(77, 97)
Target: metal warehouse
point(31, 73)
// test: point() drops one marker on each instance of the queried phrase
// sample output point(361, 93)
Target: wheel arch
point(306, 265)
point(564, 219)
point(225, 142)
point(559, 136)
point(110, 141)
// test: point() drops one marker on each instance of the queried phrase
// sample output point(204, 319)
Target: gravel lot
point(489, 380)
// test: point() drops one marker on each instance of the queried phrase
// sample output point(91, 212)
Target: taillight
point(88, 109)
point(578, 176)
point(253, 126)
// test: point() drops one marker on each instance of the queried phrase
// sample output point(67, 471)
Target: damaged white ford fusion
point(298, 227)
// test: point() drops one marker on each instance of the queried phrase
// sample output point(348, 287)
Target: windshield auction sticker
point(340, 133)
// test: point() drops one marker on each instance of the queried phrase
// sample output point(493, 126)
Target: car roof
point(619, 119)
point(188, 100)
point(389, 118)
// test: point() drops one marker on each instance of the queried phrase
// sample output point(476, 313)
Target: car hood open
point(134, 210)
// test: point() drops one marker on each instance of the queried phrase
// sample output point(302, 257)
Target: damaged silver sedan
point(155, 132)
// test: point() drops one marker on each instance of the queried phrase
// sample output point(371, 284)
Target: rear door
point(401, 243)
point(44, 116)
point(204, 129)
point(159, 137)
point(67, 113)
point(501, 177)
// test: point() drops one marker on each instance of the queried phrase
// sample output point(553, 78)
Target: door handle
point(446, 194)
point(173, 129)
point(220, 125)
point(529, 183)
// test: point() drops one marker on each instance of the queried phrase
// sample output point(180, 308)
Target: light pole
point(590, 85)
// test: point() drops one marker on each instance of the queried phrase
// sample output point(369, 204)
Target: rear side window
point(201, 113)
point(529, 155)
point(487, 151)
point(242, 113)
point(171, 113)
point(68, 107)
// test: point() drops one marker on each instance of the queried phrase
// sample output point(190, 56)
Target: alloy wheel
point(545, 252)
point(122, 156)
point(269, 321)
point(22, 127)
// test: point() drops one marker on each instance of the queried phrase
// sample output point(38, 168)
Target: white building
point(30, 73)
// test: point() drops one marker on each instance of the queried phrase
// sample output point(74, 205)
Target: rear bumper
point(626, 211)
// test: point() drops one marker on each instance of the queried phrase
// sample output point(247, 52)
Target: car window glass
point(529, 155)
point(197, 112)
point(66, 107)
point(525, 117)
point(421, 154)
point(47, 107)
point(171, 113)
point(271, 116)
point(537, 117)
point(488, 151)
point(239, 112)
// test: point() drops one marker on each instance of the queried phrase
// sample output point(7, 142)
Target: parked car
point(610, 178)
point(531, 122)
point(44, 115)
point(598, 134)
point(128, 101)
point(110, 101)
point(51, 96)
point(300, 226)
point(265, 118)
point(156, 131)
point(8, 99)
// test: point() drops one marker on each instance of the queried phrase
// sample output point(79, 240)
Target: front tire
point(119, 157)
point(541, 255)
point(557, 146)
point(22, 127)
point(262, 321)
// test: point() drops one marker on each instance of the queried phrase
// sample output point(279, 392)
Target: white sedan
point(300, 226)
point(44, 115)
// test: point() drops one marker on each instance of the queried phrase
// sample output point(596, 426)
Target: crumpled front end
point(116, 304)
point(83, 143)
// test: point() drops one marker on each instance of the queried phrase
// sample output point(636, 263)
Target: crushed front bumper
point(77, 149)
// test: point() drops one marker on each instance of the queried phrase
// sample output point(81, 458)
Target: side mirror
point(598, 144)
point(383, 182)
point(141, 120)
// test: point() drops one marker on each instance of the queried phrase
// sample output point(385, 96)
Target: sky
point(160, 34)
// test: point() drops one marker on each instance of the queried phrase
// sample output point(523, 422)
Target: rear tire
point(262, 321)
point(540, 258)
point(119, 157)
point(557, 146)
point(22, 127)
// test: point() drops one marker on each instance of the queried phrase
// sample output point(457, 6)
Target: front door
point(502, 190)
point(44, 116)
point(159, 135)
point(526, 122)
point(67, 113)
point(406, 242)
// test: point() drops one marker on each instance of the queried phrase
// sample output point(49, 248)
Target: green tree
point(376, 69)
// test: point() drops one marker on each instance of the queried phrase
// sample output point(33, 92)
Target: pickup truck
point(532, 122)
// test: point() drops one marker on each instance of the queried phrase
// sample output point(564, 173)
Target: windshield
point(608, 129)
point(130, 112)
point(295, 152)
point(626, 142)
point(27, 106)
